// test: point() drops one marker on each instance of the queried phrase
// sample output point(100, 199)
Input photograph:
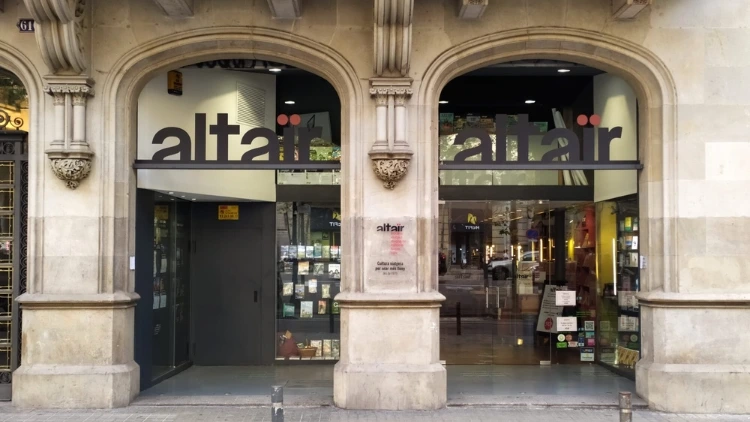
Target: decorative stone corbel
point(393, 23)
point(69, 154)
point(59, 33)
point(390, 154)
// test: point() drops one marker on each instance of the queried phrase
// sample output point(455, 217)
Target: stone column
point(77, 322)
point(390, 308)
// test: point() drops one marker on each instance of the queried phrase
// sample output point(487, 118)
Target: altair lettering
point(390, 228)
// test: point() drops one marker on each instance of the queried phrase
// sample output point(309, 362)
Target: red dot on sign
point(295, 119)
point(582, 120)
point(595, 119)
point(282, 119)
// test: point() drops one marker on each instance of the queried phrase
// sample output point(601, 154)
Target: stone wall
point(687, 60)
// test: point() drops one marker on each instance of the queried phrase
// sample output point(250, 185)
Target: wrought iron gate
point(14, 177)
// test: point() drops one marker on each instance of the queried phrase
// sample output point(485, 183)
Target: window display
point(619, 313)
point(309, 278)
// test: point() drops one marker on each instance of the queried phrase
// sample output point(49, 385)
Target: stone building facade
point(84, 68)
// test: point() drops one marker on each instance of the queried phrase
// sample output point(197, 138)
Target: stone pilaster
point(390, 311)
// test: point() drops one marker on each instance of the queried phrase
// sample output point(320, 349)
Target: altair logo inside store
point(390, 228)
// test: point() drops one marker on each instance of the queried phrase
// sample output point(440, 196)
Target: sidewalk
point(320, 414)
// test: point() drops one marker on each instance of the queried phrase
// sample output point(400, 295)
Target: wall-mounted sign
point(174, 82)
point(161, 212)
point(576, 154)
point(229, 212)
point(25, 25)
point(191, 153)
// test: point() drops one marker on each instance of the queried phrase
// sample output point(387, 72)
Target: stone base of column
point(390, 387)
point(67, 386)
point(390, 352)
point(694, 358)
point(680, 388)
point(77, 352)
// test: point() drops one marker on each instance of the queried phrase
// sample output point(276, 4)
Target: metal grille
point(14, 173)
point(251, 105)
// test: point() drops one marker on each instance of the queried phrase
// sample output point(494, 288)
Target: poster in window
point(309, 251)
point(319, 268)
point(306, 309)
point(326, 291)
point(335, 251)
point(317, 250)
point(300, 252)
point(322, 307)
point(334, 271)
point(288, 288)
point(335, 349)
point(327, 348)
point(303, 268)
point(284, 253)
point(335, 309)
point(312, 285)
point(299, 291)
point(318, 345)
point(288, 311)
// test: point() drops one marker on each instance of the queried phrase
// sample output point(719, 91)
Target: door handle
point(255, 296)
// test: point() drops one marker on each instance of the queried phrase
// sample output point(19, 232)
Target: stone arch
point(643, 70)
point(15, 61)
point(132, 72)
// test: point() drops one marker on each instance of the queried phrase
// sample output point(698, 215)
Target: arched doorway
point(257, 47)
point(653, 88)
point(14, 200)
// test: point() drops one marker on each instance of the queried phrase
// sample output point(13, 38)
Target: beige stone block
point(727, 161)
point(708, 123)
point(371, 337)
point(81, 336)
point(677, 14)
point(75, 387)
point(728, 47)
point(691, 199)
point(389, 386)
point(714, 274)
point(711, 389)
point(70, 275)
point(71, 236)
point(728, 236)
point(727, 85)
point(691, 236)
point(683, 51)
point(359, 15)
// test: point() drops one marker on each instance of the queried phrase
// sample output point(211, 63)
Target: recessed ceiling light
point(183, 196)
point(530, 101)
point(193, 199)
point(442, 102)
point(289, 102)
point(563, 70)
point(171, 193)
point(274, 69)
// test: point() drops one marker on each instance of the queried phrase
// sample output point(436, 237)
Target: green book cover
point(335, 308)
point(288, 310)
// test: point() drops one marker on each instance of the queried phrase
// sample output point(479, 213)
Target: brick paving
point(319, 414)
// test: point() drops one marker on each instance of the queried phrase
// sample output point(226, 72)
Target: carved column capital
point(59, 33)
point(393, 28)
point(69, 153)
point(390, 154)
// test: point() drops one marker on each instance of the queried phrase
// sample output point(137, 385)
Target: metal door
point(13, 252)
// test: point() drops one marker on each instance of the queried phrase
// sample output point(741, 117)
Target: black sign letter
point(573, 149)
point(484, 149)
point(272, 148)
point(182, 148)
point(222, 129)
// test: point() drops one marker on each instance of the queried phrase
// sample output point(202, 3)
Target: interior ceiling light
point(563, 70)
point(530, 101)
point(442, 102)
point(274, 69)
point(289, 102)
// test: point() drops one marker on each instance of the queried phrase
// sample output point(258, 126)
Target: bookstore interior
point(537, 266)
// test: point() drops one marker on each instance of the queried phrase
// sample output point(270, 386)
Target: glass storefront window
point(619, 313)
point(309, 278)
point(171, 281)
point(308, 177)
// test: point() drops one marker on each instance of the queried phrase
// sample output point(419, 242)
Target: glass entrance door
point(494, 268)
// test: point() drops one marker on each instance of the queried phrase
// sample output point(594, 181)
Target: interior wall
point(209, 91)
point(615, 102)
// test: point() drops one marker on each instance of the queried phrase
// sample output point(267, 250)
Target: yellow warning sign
point(229, 212)
point(161, 212)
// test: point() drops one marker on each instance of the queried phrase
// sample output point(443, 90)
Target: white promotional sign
point(565, 298)
point(567, 324)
